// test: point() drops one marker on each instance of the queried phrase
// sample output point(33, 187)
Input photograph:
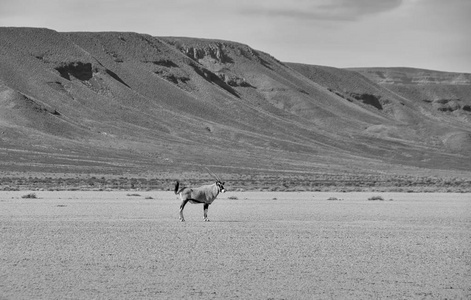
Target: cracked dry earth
point(109, 245)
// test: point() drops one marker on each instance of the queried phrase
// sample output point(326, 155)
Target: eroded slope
point(128, 102)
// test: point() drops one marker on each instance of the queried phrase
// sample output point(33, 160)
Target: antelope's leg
point(205, 211)
point(182, 206)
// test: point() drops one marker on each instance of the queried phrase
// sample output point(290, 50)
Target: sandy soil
point(111, 245)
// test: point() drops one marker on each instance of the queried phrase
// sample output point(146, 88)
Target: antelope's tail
point(177, 185)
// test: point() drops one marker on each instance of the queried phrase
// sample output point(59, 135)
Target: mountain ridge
point(134, 103)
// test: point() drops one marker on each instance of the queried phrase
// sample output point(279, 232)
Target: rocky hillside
point(116, 103)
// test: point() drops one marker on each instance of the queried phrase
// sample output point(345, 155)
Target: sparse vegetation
point(334, 199)
point(232, 198)
point(29, 196)
point(133, 195)
point(376, 198)
point(286, 182)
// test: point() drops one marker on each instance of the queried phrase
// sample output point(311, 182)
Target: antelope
point(205, 194)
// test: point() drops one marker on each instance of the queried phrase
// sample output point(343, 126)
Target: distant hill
point(129, 103)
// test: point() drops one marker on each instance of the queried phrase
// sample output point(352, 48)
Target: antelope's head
point(220, 186)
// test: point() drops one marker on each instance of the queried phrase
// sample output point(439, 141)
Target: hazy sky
point(431, 34)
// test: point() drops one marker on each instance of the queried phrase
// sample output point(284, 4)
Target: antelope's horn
point(212, 174)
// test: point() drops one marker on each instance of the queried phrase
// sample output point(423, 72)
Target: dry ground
point(117, 245)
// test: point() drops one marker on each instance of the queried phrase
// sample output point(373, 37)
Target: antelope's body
point(205, 194)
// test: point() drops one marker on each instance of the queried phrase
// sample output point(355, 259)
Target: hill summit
point(122, 102)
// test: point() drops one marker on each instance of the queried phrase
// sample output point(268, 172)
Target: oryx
point(204, 194)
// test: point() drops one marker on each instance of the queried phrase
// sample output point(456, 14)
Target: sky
point(428, 34)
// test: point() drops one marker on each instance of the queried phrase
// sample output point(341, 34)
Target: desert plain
point(258, 245)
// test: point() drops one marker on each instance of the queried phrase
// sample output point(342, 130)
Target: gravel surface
point(263, 245)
